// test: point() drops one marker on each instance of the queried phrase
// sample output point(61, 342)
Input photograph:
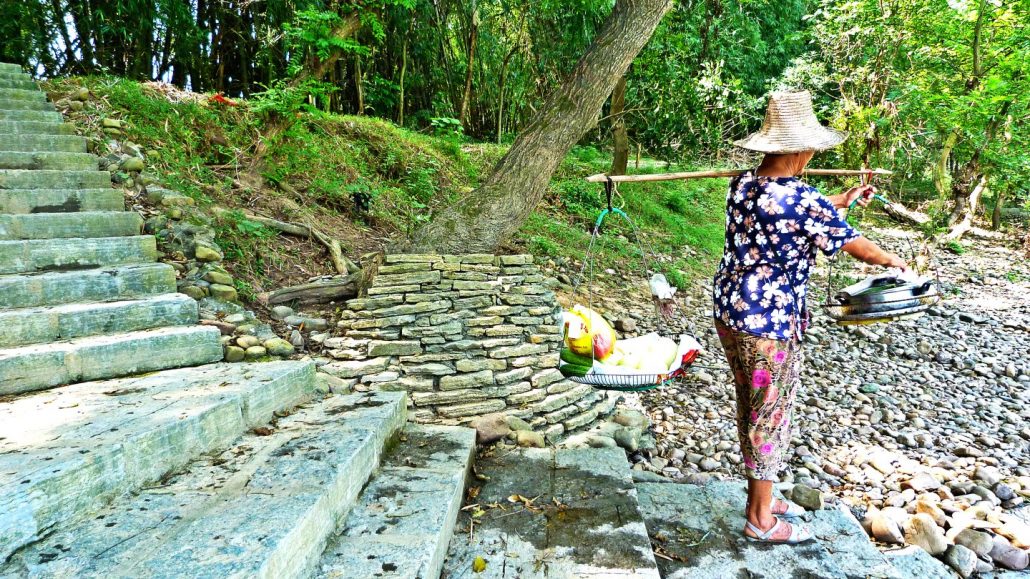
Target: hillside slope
point(323, 166)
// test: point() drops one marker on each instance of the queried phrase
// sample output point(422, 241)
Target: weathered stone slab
point(26, 256)
point(585, 521)
point(40, 366)
point(913, 561)
point(471, 408)
point(356, 368)
point(38, 325)
point(470, 380)
point(60, 200)
point(68, 451)
point(93, 285)
point(404, 519)
point(263, 509)
point(701, 526)
point(27, 179)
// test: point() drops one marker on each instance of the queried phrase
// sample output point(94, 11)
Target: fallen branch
point(981, 233)
point(335, 289)
point(901, 213)
point(342, 265)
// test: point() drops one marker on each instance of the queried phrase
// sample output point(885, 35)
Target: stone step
point(17, 104)
point(405, 517)
point(263, 508)
point(82, 224)
point(21, 94)
point(22, 115)
point(23, 82)
point(29, 143)
point(36, 160)
point(90, 285)
point(584, 520)
point(21, 179)
point(10, 67)
point(60, 200)
point(40, 325)
point(41, 366)
point(36, 128)
point(67, 452)
point(38, 255)
point(701, 528)
point(14, 73)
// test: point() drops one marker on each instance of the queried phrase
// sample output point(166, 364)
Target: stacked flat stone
point(465, 335)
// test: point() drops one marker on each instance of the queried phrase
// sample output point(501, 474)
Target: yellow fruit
point(597, 340)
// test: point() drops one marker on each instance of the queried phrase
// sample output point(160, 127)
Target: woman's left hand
point(863, 193)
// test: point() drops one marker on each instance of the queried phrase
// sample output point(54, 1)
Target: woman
point(775, 223)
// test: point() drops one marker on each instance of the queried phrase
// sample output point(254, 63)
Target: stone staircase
point(128, 450)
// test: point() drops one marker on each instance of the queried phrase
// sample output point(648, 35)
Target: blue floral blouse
point(773, 227)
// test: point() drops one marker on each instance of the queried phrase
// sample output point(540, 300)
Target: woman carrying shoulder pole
point(775, 226)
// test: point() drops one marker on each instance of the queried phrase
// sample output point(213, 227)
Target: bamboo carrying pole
point(601, 177)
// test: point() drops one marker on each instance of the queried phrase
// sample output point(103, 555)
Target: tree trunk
point(404, 70)
point(317, 71)
point(999, 199)
point(486, 217)
point(968, 211)
point(359, 86)
point(941, 180)
point(620, 138)
point(466, 96)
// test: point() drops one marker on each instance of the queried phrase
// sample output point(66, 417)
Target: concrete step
point(21, 81)
point(48, 161)
point(36, 128)
point(39, 255)
point(583, 522)
point(21, 94)
point(700, 528)
point(21, 179)
point(263, 508)
point(60, 200)
point(405, 517)
point(18, 104)
point(41, 325)
point(82, 224)
point(27, 115)
point(41, 366)
point(30, 143)
point(66, 453)
point(90, 285)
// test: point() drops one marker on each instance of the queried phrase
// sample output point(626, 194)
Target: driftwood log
point(318, 292)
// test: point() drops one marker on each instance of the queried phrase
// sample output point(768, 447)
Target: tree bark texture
point(488, 216)
point(620, 138)
point(466, 96)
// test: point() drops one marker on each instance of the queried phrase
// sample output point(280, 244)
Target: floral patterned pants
point(766, 373)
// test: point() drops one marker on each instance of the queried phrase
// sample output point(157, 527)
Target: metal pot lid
point(886, 289)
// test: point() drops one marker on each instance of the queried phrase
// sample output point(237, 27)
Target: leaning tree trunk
point(620, 138)
point(486, 217)
point(968, 211)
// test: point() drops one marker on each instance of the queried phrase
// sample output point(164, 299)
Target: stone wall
point(465, 335)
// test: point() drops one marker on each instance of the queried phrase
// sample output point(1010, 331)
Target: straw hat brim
point(796, 139)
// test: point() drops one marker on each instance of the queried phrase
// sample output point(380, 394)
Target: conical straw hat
point(791, 127)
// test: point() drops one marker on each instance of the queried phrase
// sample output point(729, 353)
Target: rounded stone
point(132, 164)
point(224, 292)
point(234, 354)
point(279, 347)
point(255, 352)
point(219, 277)
point(248, 341)
point(205, 253)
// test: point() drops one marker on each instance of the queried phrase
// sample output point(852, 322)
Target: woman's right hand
point(895, 261)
